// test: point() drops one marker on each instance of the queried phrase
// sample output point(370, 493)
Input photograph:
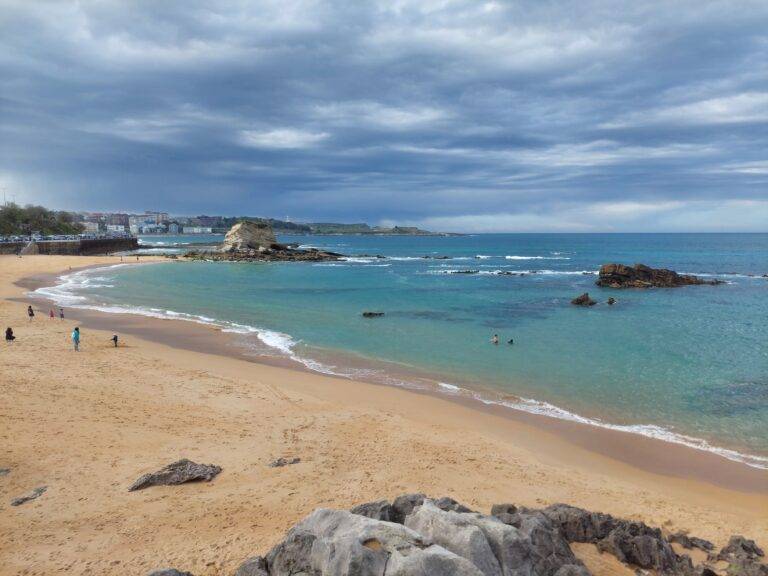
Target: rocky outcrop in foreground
point(642, 276)
point(418, 536)
point(251, 241)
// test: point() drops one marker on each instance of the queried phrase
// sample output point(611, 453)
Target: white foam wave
point(648, 430)
point(483, 257)
point(499, 272)
point(536, 257)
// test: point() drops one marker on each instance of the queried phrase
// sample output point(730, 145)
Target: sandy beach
point(87, 424)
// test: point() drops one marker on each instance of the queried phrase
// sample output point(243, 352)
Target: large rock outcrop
point(417, 536)
point(249, 235)
point(642, 276)
point(254, 241)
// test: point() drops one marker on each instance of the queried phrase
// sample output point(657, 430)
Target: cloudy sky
point(454, 115)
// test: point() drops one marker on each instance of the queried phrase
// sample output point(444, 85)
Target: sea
point(687, 365)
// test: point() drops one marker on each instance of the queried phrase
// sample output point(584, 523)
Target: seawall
point(80, 247)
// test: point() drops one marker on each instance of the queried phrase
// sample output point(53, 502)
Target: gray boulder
point(169, 572)
point(572, 570)
point(177, 473)
point(577, 525)
point(459, 533)
point(404, 505)
point(744, 557)
point(379, 510)
point(255, 566)
point(495, 547)
point(330, 542)
point(640, 545)
point(36, 493)
point(280, 462)
point(691, 542)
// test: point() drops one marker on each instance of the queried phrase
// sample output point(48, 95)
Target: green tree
point(15, 220)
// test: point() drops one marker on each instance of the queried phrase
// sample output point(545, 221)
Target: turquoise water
point(687, 364)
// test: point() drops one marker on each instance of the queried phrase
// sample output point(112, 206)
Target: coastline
point(662, 454)
point(182, 390)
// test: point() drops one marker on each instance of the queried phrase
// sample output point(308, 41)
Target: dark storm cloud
point(454, 114)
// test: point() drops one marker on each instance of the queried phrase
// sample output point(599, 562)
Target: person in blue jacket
point(76, 339)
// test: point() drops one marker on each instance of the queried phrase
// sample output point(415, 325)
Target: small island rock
point(583, 300)
point(642, 276)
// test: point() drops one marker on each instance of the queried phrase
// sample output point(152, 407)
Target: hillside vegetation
point(16, 220)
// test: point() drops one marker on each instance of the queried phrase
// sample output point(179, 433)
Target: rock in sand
point(178, 472)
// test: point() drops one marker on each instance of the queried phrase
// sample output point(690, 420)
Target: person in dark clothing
point(114, 339)
point(30, 313)
point(9, 337)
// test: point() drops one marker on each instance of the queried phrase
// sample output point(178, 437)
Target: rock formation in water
point(417, 536)
point(583, 300)
point(252, 241)
point(642, 276)
point(249, 235)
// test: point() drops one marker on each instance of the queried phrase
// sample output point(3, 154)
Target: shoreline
point(88, 424)
point(655, 455)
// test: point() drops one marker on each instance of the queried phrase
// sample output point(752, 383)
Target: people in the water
point(495, 339)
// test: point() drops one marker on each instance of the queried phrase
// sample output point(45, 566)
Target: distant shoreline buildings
point(149, 222)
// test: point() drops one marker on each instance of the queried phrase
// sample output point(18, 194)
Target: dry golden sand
point(88, 424)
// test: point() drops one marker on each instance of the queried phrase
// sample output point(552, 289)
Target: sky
point(468, 116)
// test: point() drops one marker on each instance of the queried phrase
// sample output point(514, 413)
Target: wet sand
point(86, 425)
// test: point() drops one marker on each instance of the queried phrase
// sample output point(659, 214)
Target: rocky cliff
point(642, 276)
point(249, 235)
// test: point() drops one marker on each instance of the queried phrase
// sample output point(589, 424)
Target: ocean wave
point(654, 431)
point(536, 257)
point(725, 275)
point(499, 272)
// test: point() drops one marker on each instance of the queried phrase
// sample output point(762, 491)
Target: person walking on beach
point(114, 339)
point(9, 337)
point(495, 339)
point(30, 313)
point(76, 338)
point(52, 314)
point(61, 313)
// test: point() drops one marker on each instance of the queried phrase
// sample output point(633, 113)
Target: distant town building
point(117, 220)
point(90, 227)
point(197, 230)
point(174, 228)
point(156, 217)
point(115, 228)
